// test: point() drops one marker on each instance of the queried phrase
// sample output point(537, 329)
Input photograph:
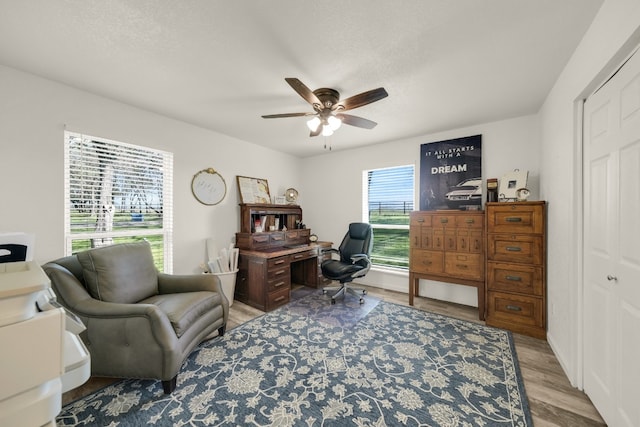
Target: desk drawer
point(524, 279)
point(279, 282)
point(464, 265)
point(515, 248)
point(277, 262)
point(276, 299)
point(311, 253)
point(423, 261)
point(259, 240)
point(520, 309)
point(298, 235)
point(279, 273)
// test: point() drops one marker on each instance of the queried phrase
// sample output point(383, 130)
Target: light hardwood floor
point(552, 399)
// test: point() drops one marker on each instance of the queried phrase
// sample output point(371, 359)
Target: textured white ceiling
point(222, 64)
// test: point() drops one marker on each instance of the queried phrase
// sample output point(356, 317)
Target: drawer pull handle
point(444, 220)
point(297, 256)
point(280, 261)
point(427, 262)
point(280, 298)
point(514, 308)
point(420, 219)
point(514, 278)
point(514, 248)
point(469, 221)
point(279, 272)
point(514, 219)
point(463, 266)
point(277, 285)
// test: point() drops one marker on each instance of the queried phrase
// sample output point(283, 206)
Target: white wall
point(610, 38)
point(33, 115)
point(332, 190)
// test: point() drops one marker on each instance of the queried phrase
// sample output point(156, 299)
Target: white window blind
point(389, 197)
point(117, 192)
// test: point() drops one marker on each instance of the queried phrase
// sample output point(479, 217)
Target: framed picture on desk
point(253, 190)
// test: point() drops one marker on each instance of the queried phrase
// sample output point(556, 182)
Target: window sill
point(390, 270)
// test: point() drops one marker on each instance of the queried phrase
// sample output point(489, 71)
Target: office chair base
point(342, 290)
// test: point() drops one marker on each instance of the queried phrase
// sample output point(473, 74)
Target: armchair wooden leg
point(170, 385)
point(222, 329)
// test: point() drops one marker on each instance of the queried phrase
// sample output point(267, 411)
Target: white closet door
point(612, 247)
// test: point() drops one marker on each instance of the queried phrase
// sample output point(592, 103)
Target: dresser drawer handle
point(280, 261)
point(277, 285)
point(279, 272)
point(427, 262)
point(463, 266)
point(514, 278)
point(514, 219)
point(514, 308)
point(514, 248)
point(297, 256)
point(470, 221)
point(444, 220)
point(420, 219)
point(280, 298)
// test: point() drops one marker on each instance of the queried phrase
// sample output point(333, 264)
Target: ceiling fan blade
point(361, 99)
point(277, 116)
point(303, 91)
point(352, 120)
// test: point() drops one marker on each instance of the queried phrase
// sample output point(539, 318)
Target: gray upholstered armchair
point(140, 323)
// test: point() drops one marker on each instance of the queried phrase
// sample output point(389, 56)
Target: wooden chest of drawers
point(447, 246)
point(516, 262)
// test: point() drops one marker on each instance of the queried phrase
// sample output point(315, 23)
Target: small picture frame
point(253, 190)
point(510, 183)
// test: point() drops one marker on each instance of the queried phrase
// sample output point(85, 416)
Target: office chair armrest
point(359, 257)
point(330, 251)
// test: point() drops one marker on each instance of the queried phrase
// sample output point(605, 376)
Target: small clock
point(208, 187)
point(313, 238)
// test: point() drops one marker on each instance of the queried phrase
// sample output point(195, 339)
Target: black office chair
point(354, 261)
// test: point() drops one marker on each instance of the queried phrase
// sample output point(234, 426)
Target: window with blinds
point(115, 193)
point(389, 197)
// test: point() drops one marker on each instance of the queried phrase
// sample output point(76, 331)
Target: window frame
point(165, 231)
point(366, 214)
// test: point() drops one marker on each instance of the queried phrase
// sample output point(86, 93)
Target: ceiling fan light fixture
point(334, 122)
point(326, 130)
point(313, 124)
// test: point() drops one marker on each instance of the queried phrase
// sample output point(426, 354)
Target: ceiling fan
point(328, 108)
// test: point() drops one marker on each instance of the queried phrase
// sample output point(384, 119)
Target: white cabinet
point(37, 354)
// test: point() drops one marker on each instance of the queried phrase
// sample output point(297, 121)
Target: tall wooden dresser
point(447, 246)
point(516, 263)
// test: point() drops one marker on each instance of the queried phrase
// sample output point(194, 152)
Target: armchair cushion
point(123, 273)
point(184, 309)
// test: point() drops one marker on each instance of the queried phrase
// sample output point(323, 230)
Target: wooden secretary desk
point(271, 260)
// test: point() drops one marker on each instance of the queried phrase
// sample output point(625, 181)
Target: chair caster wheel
point(364, 292)
point(324, 292)
point(333, 302)
point(361, 300)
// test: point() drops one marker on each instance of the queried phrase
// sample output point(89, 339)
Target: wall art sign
point(451, 174)
point(253, 190)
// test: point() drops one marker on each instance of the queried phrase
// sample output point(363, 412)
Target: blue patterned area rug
point(311, 363)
